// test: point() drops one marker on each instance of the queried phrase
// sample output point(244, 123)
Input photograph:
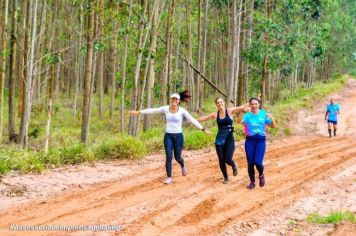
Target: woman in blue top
point(255, 123)
point(331, 115)
point(224, 142)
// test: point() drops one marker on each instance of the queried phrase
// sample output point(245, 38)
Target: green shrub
point(154, 144)
point(120, 147)
point(287, 131)
point(196, 139)
point(68, 155)
point(20, 160)
point(153, 139)
point(52, 159)
point(32, 163)
point(72, 154)
point(5, 164)
point(151, 134)
point(333, 217)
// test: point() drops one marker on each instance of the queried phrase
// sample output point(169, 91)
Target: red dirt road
point(198, 204)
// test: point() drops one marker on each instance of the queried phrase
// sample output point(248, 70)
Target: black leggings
point(225, 153)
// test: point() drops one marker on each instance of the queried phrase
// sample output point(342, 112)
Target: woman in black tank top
point(224, 142)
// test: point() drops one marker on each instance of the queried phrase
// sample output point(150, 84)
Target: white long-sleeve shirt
point(173, 120)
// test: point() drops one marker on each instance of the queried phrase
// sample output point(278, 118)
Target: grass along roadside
point(315, 220)
point(333, 217)
point(107, 143)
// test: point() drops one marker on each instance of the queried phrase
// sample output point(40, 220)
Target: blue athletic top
point(256, 123)
point(332, 110)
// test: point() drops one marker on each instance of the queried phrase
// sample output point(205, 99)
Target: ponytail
point(184, 96)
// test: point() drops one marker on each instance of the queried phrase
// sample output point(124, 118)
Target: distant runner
point(173, 138)
point(331, 115)
point(255, 123)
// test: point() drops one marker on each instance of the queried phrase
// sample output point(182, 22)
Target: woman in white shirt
point(173, 138)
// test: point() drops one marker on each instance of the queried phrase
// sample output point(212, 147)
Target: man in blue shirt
point(332, 112)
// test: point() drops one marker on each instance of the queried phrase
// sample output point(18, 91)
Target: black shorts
point(332, 121)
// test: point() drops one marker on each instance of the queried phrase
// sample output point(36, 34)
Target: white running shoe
point(184, 171)
point(168, 181)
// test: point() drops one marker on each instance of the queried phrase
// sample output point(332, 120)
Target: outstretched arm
point(237, 109)
point(240, 112)
point(207, 117)
point(147, 111)
point(195, 123)
point(192, 120)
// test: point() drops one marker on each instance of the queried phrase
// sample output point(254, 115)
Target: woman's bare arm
point(207, 117)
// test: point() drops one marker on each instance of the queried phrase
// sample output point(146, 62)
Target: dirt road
point(199, 204)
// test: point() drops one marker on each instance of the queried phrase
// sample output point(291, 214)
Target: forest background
point(71, 70)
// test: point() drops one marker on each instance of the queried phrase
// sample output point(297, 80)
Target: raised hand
point(208, 132)
point(135, 113)
point(247, 109)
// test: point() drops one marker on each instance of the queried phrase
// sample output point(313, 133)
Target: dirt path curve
point(198, 204)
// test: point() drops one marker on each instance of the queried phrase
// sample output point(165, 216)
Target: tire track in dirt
point(209, 203)
point(229, 210)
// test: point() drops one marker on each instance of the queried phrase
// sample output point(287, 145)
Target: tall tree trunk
point(203, 56)
point(101, 60)
point(12, 131)
point(242, 44)
point(249, 21)
point(142, 44)
point(53, 27)
point(137, 126)
point(151, 73)
point(124, 61)
point(88, 74)
point(168, 58)
point(113, 76)
point(237, 58)
point(48, 125)
point(134, 104)
point(197, 87)
point(31, 23)
point(190, 56)
point(38, 51)
point(228, 49)
point(24, 67)
point(265, 58)
point(3, 66)
point(231, 80)
point(78, 64)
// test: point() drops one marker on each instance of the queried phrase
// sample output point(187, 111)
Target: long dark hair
point(184, 96)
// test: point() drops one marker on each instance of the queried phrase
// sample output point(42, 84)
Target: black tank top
point(226, 121)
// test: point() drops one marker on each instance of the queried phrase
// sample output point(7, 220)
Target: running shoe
point(168, 180)
point(251, 186)
point(226, 181)
point(184, 170)
point(234, 169)
point(262, 180)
